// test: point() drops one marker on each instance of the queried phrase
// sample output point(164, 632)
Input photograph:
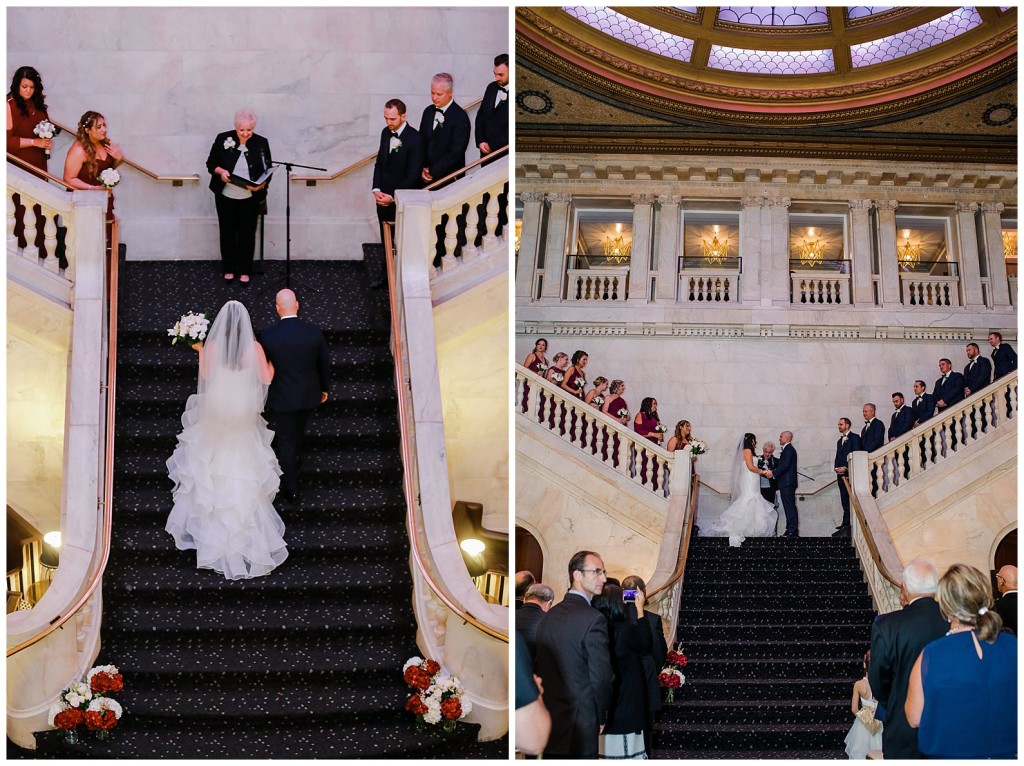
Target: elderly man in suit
point(872, 435)
point(785, 475)
point(651, 662)
point(398, 162)
point(1006, 581)
point(848, 442)
point(536, 603)
point(574, 662)
point(949, 388)
point(897, 639)
point(302, 378)
point(1004, 358)
point(524, 579)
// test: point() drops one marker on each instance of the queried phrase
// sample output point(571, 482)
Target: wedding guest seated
point(524, 579)
point(614, 405)
point(576, 379)
point(536, 361)
point(559, 365)
point(90, 155)
point(963, 687)
point(595, 396)
point(681, 438)
point(646, 423)
point(539, 598)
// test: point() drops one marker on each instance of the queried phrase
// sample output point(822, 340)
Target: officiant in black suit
point(492, 117)
point(302, 378)
point(785, 475)
point(243, 153)
point(398, 162)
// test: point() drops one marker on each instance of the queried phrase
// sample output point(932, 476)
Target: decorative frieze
point(657, 330)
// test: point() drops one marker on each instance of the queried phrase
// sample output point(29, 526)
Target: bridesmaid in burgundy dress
point(613, 404)
point(595, 396)
point(555, 374)
point(90, 155)
point(681, 438)
point(646, 424)
point(576, 378)
point(536, 362)
point(26, 108)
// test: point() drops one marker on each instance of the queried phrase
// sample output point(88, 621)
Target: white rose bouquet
point(557, 377)
point(660, 428)
point(622, 414)
point(110, 178)
point(541, 368)
point(191, 327)
point(46, 129)
point(698, 447)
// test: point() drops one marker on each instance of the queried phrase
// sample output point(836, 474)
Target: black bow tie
point(438, 109)
point(503, 88)
point(393, 134)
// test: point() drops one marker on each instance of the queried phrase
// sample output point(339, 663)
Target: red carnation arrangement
point(437, 697)
point(677, 659)
point(416, 706)
point(69, 719)
point(451, 708)
point(671, 677)
point(105, 683)
point(105, 720)
point(89, 702)
point(417, 678)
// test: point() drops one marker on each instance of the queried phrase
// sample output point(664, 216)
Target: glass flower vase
point(449, 725)
point(670, 695)
point(71, 736)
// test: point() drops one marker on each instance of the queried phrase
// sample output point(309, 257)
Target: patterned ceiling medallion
point(534, 102)
point(999, 114)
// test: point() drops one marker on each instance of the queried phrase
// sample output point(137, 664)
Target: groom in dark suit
point(785, 475)
point(398, 162)
point(302, 378)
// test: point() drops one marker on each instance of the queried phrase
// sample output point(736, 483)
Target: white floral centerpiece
point(191, 327)
point(110, 178)
point(89, 702)
point(437, 697)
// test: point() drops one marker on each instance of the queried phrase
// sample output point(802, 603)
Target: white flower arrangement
point(77, 694)
point(698, 448)
point(229, 143)
point(580, 382)
point(110, 178)
point(660, 428)
point(622, 413)
point(103, 704)
point(396, 144)
point(557, 377)
point(46, 129)
point(598, 401)
point(417, 661)
point(191, 327)
point(57, 707)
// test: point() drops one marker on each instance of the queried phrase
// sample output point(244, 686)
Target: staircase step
point(385, 502)
point(811, 633)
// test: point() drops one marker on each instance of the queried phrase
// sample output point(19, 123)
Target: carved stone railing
point(934, 442)
point(53, 201)
point(605, 439)
point(1013, 289)
point(878, 556)
point(709, 286)
point(815, 288)
point(598, 285)
point(923, 290)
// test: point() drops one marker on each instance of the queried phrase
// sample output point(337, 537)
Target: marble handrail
point(939, 439)
point(606, 439)
point(878, 556)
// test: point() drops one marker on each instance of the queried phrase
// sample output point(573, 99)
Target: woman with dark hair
point(963, 687)
point(628, 640)
point(90, 155)
point(537, 361)
point(576, 378)
point(245, 154)
point(681, 438)
point(26, 108)
point(750, 515)
point(647, 421)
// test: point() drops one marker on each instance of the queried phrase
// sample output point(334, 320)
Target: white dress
point(750, 515)
point(859, 741)
point(226, 476)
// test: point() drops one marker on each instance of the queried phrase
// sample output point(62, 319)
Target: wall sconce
point(616, 249)
point(472, 546)
point(716, 251)
point(811, 252)
point(49, 559)
point(907, 253)
point(519, 234)
point(1009, 244)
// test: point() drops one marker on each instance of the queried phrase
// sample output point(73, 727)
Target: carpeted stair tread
point(343, 503)
point(174, 392)
point(721, 755)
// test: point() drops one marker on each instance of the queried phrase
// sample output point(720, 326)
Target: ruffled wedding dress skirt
point(226, 477)
point(750, 515)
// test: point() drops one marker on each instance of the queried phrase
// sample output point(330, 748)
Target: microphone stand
point(287, 278)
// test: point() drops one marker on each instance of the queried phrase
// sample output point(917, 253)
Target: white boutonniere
point(229, 143)
point(396, 144)
point(502, 95)
point(439, 118)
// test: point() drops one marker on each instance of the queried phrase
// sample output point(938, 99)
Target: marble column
point(778, 280)
point(860, 253)
point(640, 255)
point(888, 264)
point(970, 268)
point(992, 230)
point(750, 250)
point(554, 247)
point(669, 248)
point(526, 267)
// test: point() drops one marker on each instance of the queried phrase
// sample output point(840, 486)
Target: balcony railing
point(704, 282)
point(826, 283)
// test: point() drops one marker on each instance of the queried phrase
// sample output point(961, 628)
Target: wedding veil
point(739, 471)
point(229, 377)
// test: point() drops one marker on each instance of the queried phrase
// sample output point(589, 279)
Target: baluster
point(31, 251)
point(491, 221)
point(621, 450)
point(69, 251)
point(914, 458)
point(50, 242)
point(691, 284)
point(451, 240)
point(728, 283)
point(12, 221)
point(469, 250)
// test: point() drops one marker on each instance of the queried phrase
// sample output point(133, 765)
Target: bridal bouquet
point(89, 702)
point(190, 328)
point(437, 697)
point(46, 129)
point(110, 178)
point(698, 447)
point(671, 677)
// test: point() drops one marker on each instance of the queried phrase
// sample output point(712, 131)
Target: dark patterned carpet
point(305, 662)
point(775, 632)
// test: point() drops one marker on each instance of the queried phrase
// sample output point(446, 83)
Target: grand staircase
point(775, 632)
point(307, 661)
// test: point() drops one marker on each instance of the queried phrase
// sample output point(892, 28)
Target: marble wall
point(169, 79)
point(472, 342)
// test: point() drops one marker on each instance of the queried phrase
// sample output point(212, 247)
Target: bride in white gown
point(750, 515)
point(224, 471)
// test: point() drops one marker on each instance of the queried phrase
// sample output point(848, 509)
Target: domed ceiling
point(861, 81)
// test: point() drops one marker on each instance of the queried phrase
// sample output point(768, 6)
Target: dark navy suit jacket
point(1005, 359)
point(843, 450)
point(902, 421)
point(924, 409)
point(399, 169)
point(443, 151)
point(950, 390)
point(492, 121)
point(872, 437)
point(978, 375)
point(302, 365)
point(785, 474)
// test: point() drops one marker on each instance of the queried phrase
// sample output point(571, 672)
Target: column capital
point(860, 204)
point(992, 207)
point(554, 197)
point(783, 202)
point(753, 201)
point(966, 207)
point(642, 199)
point(670, 199)
point(532, 196)
point(886, 204)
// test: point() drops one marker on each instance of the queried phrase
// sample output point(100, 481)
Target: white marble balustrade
point(709, 287)
point(818, 289)
point(600, 436)
point(52, 203)
point(940, 438)
point(598, 285)
point(1013, 290)
point(919, 290)
point(465, 203)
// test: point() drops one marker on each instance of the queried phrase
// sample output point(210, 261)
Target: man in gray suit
point(574, 663)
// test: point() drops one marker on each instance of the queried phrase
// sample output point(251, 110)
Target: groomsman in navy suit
point(923, 404)
point(902, 419)
point(848, 442)
point(978, 372)
point(872, 435)
point(949, 388)
point(1003, 356)
point(398, 162)
point(492, 118)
